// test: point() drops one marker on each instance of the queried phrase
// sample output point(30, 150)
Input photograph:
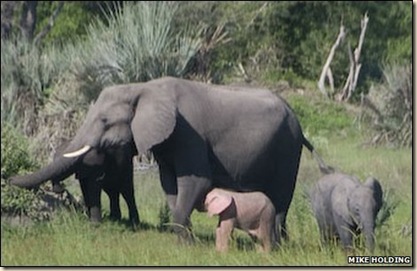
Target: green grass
point(70, 240)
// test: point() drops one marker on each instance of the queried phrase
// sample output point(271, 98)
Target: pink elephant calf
point(252, 212)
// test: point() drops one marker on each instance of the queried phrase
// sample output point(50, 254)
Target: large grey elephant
point(110, 170)
point(201, 135)
point(344, 206)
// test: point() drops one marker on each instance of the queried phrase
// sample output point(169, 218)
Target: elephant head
point(109, 123)
point(364, 204)
point(216, 203)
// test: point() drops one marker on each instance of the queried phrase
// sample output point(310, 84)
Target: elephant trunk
point(59, 169)
point(368, 229)
point(369, 238)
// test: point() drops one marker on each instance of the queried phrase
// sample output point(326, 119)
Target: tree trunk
point(7, 10)
point(326, 68)
point(355, 66)
point(28, 19)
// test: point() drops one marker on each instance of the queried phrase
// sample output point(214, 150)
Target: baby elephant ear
point(374, 184)
point(155, 118)
point(216, 203)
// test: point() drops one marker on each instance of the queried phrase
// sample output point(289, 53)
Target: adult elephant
point(201, 135)
point(110, 170)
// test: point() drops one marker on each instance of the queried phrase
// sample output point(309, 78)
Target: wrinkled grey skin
point(344, 206)
point(201, 136)
point(251, 212)
point(112, 171)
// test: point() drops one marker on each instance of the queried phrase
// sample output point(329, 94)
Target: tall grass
point(27, 72)
point(136, 43)
point(70, 239)
point(390, 106)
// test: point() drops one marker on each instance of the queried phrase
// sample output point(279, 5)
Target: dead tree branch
point(28, 18)
point(325, 71)
point(355, 66)
point(51, 22)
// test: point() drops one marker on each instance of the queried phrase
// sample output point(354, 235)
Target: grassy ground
point(69, 239)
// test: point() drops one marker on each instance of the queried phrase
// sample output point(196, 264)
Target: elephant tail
point(325, 169)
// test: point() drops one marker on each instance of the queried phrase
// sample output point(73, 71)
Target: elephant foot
point(95, 215)
point(185, 236)
point(135, 223)
point(115, 217)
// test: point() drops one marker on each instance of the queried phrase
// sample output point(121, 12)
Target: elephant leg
point(131, 205)
point(190, 189)
point(92, 192)
point(115, 213)
point(281, 222)
point(326, 232)
point(86, 195)
point(224, 231)
point(345, 235)
point(266, 235)
point(282, 189)
point(168, 183)
point(128, 194)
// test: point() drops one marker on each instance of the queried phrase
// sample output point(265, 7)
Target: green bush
point(15, 159)
point(19, 203)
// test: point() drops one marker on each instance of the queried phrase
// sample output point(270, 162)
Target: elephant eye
point(105, 121)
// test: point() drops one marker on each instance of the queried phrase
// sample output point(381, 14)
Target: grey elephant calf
point(344, 206)
point(111, 171)
point(252, 212)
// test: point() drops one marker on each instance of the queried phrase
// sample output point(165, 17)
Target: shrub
point(15, 159)
point(19, 203)
point(390, 106)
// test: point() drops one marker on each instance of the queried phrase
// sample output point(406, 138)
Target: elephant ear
point(155, 118)
point(376, 187)
point(216, 203)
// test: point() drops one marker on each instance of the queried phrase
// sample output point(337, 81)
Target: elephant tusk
point(81, 151)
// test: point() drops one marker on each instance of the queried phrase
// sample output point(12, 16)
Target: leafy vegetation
point(69, 239)
point(390, 105)
point(47, 87)
point(16, 159)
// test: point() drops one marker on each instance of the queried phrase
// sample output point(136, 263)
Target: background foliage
point(48, 86)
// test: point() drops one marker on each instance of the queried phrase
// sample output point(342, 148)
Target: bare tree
point(355, 65)
point(326, 71)
point(51, 22)
point(27, 21)
point(7, 10)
